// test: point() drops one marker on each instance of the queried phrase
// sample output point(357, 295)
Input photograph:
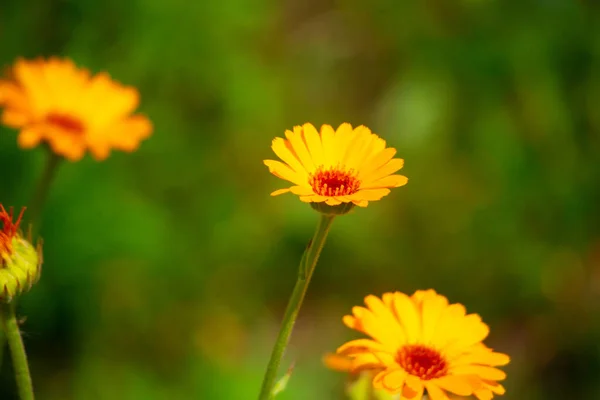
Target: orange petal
point(434, 392)
point(484, 372)
point(454, 384)
point(394, 380)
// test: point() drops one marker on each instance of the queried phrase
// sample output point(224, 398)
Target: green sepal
point(340, 209)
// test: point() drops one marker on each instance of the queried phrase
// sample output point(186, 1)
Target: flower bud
point(340, 209)
point(20, 261)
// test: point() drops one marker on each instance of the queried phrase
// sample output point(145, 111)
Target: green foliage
point(167, 270)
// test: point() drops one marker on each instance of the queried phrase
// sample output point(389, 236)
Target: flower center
point(422, 361)
point(334, 182)
point(66, 122)
point(9, 229)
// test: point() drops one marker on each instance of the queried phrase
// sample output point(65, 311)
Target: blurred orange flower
point(335, 166)
point(423, 343)
point(55, 102)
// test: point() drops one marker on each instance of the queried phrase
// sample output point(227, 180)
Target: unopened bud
point(20, 260)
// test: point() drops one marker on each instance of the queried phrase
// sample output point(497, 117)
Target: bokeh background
point(167, 270)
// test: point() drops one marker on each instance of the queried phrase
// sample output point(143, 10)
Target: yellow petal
point(495, 387)
point(313, 198)
point(332, 201)
point(484, 394)
point(360, 346)
point(14, 118)
point(449, 326)
point(365, 361)
point(29, 137)
point(370, 194)
point(484, 372)
point(434, 392)
point(454, 384)
point(472, 332)
point(394, 380)
point(282, 151)
point(297, 143)
point(482, 357)
point(330, 157)
point(283, 171)
point(407, 315)
point(414, 388)
point(313, 142)
point(387, 182)
point(376, 328)
point(280, 191)
point(301, 190)
point(393, 332)
point(392, 166)
point(337, 362)
point(355, 153)
point(361, 203)
point(377, 161)
point(432, 309)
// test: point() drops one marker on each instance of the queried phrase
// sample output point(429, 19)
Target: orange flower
point(423, 343)
point(336, 166)
point(55, 102)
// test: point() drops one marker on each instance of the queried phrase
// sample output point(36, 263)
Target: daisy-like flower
point(343, 166)
point(55, 102)
point(421, 343)
point(20, 261)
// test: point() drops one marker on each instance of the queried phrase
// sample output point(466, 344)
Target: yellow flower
point(20, 261)
point(423, 343)
point(335, 166)
point(55, 102)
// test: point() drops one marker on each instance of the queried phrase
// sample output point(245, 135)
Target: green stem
point(305, 272)
point(17, 350)
point(36, 206)
point(2, 340)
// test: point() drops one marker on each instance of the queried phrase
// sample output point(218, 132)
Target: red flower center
point(334, 182)
point(66, 122)
point(422, 361)
point(9, 229)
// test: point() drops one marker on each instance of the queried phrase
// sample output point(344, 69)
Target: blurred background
point(167, 271)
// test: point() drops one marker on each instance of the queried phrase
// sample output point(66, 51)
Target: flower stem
point(17, 350)
point(36, 205)
point(305, 272)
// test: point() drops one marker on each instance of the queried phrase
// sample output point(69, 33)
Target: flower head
point(422, 343)
point(55, 102)
point(336, 167)
point(20, 261)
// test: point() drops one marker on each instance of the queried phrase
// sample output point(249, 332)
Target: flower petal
point(387, 182)
point(455, 384)
point(313, 143)
point(283, 171)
